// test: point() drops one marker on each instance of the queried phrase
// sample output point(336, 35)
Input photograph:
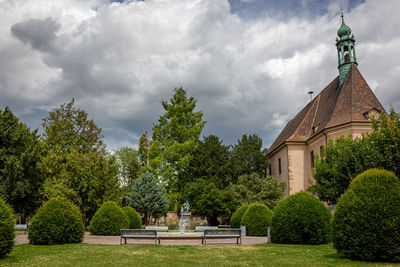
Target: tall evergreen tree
point(248, 157)
point(210, 162)
point(175, 138)
point(20, 151)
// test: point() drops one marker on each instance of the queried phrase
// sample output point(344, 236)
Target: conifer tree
point(175, 138)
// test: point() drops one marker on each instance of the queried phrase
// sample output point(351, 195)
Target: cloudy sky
point(249, 63)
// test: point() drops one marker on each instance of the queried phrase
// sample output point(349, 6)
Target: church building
point(346, 105)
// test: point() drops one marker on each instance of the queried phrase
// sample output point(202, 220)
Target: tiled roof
point(333, 106)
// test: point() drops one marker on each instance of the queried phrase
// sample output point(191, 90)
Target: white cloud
point(118, 61)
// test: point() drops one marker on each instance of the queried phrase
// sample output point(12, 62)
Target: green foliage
point(147, 196)
point(301, 219)
point(237, 215)
point(366, 221)
point(257, 219)
point(135, 222)
point(67, 127)
point(108, 220)
point(251, 188)
point(129, 162)
point(6, 229)
point(206, 200)
point(175, 138)
point(210, 162)
point(20, 178)
point(344, 160)
point(58, 221)
point(247, 157)
point(76, 162)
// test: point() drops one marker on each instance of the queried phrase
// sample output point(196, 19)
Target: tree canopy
point(76, 164)
point(210, 162)
point(175, 138)
point(342, 161)
point(206, 200)
point(20, 151)
point(251, 188)
point(147, 196)
point(248, 157)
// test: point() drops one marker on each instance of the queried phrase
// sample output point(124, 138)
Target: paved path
point(114, 240)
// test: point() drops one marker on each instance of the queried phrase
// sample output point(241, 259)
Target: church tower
point(346, 50)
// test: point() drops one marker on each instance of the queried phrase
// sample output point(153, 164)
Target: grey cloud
point(119, 63)
point(40, 34)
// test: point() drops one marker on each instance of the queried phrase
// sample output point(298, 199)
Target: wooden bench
point(202, 228)
point(157, 228)
point(22, 227)
point(222, 233)
point(139, 234)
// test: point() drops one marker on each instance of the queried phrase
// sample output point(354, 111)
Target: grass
point(150, 255)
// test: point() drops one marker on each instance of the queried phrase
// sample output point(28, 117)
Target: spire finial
point(341, 9)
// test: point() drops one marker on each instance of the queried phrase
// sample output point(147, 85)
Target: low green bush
point(300, 219)
point(6, 229)
point(366, 222)
point(108, 220)
point(257, 219)
point(58, 221)
point(135, 222)
point(237, 216)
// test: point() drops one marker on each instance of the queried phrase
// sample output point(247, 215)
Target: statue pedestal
point(186, 216)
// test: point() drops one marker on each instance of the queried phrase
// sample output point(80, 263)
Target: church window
point(320, 150)
point(279, 166)
point(312, 159)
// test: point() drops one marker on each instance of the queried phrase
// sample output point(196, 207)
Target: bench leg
point(120, 240)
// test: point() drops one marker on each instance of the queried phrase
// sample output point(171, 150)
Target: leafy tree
point(88, 180)
point(175, 138)
point(129, 161)
point(76, 165)
point(210, 162)
point(67, 127)
point(339, 164)
point(248, 157)
point(348, 157)
point(147, 196)
point(20, 178)
point(206, 200)
point(255, 189)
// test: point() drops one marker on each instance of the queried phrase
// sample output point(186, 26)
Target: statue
point(186, 207)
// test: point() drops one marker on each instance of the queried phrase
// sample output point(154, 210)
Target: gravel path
point(114, 240)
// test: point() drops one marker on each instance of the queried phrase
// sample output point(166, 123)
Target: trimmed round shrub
point(135, 222)
point(108, 220)
point(6, 229)
point(366, 222)
point(257, 219)
point(237, 216)
point(58, 221)
point(301, 219)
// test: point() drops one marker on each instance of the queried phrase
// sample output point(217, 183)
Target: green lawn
point(150, 255)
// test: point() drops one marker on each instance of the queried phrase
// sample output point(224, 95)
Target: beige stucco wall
point(296, 157)
point(273, 161)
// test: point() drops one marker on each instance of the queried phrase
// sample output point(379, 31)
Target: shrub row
point(298, 219)
point(6, 229)
point(365, 225)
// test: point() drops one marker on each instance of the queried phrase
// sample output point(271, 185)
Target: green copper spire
point(344, 30)
point(346, 50)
